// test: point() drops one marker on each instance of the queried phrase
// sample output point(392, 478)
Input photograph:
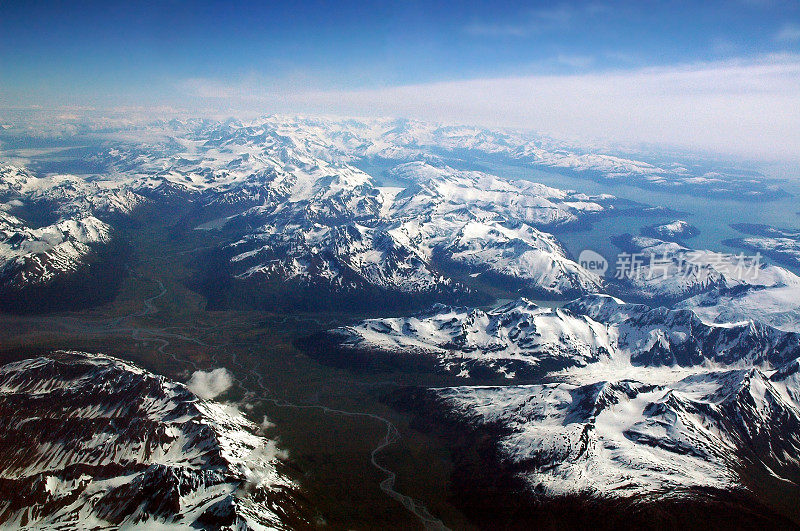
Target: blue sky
point(266, 55)
point(114, 50)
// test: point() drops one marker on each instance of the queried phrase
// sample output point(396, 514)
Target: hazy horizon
point(716, 77)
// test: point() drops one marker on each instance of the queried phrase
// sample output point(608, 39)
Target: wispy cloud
point(535, 21)
point(790, 32)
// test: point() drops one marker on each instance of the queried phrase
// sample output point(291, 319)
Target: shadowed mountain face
point(92, 440)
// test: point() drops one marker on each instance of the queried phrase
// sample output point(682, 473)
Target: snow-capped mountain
point(512, 341)
point(348, 232)
point(674, 231)
point(65, 196)
point(302, 213)
point(349, 257)
point(72, 221)
point(95, 442)
point(639, 401)
point(287, 189)
point(522, 255)
point(635, 437)
point(781, 244)
point(774, 306)
point(306, 214)
point(663, 337)
point(520, 339)
point(666, 271)
point(717, 287)
point(36, 256)
point(439, 190)
point(405, 140)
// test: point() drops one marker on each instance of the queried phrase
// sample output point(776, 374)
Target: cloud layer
point(749, 107)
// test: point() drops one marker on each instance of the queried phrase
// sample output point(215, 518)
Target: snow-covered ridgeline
point(388, 239)
point(67, 196)
point(668, 271)
point(633, 436)
point(520, 338)
point(36, 256)
point(348, 140)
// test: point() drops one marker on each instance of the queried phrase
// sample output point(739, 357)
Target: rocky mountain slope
point(629, 401)
point(521, 339)
point(52, 226)
point(90, 440)
point(640, 435)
